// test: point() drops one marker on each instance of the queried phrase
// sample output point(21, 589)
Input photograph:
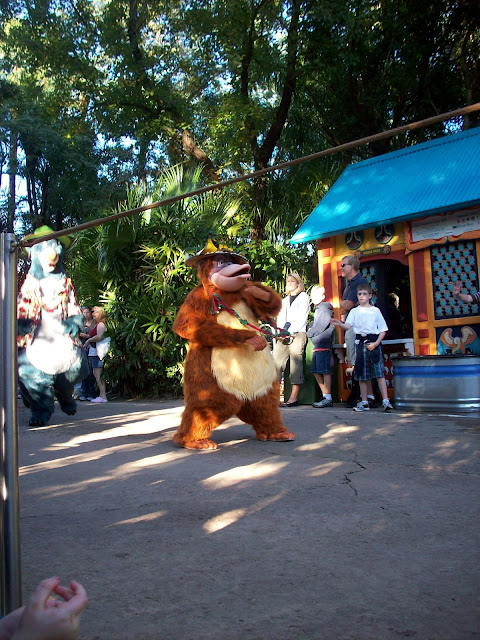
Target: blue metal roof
point(425, 179)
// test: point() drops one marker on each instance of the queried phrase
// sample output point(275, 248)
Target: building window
point(454, 263)
point(354, 239)
point(384, 233)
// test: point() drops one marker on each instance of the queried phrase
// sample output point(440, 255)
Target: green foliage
point(106, 93)
point(272, 261)
point(371, 70)
point(135, 267)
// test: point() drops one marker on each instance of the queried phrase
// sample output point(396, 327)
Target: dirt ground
point(364, 528)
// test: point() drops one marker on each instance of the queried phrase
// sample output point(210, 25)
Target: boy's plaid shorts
point(369, 364)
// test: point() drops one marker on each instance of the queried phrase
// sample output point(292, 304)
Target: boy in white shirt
point(370, 329)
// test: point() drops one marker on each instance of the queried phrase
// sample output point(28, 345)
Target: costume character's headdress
point(45, 230)
point(211, 250)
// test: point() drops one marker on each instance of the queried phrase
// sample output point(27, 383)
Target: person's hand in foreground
point(46, 617)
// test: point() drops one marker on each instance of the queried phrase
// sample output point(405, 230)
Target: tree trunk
point(263, 154)
point(142, 159)
point(194, 151)
point(144, 81)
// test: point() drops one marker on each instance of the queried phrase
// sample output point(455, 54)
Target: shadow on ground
point(363, 528)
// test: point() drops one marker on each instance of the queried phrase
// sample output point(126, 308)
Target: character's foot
point(70, 407)
point(285, 436)
point(202, 445)
point(38, 420)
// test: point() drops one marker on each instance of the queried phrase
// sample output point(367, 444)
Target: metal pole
point(10, 578)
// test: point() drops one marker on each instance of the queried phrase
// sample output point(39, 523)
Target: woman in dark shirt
point(95, 335)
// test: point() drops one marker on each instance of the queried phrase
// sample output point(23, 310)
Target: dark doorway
point(390, 282)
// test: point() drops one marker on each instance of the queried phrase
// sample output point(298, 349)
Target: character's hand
point(456, 290)
point(25, 325)
point(258, 342)
point(46, 617)
point(335, 322)
point(259, 293)
point(370, 346)
point(73, 325)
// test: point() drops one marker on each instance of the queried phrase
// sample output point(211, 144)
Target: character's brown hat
point(211, 249)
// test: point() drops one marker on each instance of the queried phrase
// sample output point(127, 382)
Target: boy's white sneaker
point(386, 405)
point(362, 406)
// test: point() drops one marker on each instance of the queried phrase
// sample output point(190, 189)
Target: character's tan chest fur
point(241, 371)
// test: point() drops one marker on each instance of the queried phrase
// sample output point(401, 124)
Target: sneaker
point(362, 406)
point(323, 403)
point(98, 400)
point(372, 403)
point(82, 398)
point(386, 405)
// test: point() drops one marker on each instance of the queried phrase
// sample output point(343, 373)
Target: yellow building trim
point(457, 322)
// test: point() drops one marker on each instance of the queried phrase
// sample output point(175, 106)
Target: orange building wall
point(330, 253)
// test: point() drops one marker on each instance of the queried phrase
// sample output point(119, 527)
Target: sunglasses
point(345, 264)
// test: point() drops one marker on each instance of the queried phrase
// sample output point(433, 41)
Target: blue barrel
point(437, 383)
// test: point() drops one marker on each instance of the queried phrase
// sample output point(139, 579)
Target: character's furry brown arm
point(263, 300)
point(196, 323)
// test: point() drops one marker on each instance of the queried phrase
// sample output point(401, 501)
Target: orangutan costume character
point(229, 369)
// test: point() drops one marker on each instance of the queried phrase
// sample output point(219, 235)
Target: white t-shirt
point(365, 320)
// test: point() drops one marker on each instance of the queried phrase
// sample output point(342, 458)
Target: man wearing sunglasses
point(350, 267)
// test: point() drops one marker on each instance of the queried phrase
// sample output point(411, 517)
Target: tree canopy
point(99, 95)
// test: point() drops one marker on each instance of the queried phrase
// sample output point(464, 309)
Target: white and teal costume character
point(50, 357)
